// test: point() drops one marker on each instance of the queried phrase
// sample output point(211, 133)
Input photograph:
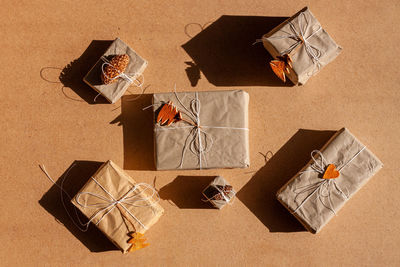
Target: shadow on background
point(193, 73)
point(225, 54)
point(137, 127)
point(259, 193)
point(72, 75)
point(185, 192)
point(78, 175)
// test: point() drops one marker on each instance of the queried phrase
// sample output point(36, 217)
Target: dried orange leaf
point(134, 241)
point(168, 114)
point(138, 246)
point(282, 66)
point(137, 241)
point(136, 235)
point(278, 67)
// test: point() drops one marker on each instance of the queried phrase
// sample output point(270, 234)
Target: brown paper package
point(343, 150)
point(114, 91)
point(303, 65)
point(218, 203)
point(224, 125)
point(113, 225)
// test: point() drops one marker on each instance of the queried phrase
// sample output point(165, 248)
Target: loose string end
point(95, 98)
point(83, 227)
point(257, 41)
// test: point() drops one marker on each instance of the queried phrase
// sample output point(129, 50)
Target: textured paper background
point(43, 122)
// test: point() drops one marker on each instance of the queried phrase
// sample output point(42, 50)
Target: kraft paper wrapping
point(219, 204)
point(303, 65)
point(113, 225)
point(223, 116)
point(114, 91)
point(314, 214)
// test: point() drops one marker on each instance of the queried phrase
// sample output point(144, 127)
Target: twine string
point(198, 141)
point(196, 144)
point(106, 205)
point(299, 35)
point(322, 189)
point(301, 39)
point(83, 227)
point(129, 198)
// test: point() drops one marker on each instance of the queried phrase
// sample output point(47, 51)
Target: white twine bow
point(129, 78)
point(198, 141)
point(127, 198)
point(322, 189)
point(130, 198)
point(299, 36)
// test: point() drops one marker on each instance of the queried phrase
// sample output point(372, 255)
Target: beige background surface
point(53, 123)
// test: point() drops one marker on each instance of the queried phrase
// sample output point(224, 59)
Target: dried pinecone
point(226, 188)
point(116, 66)
point(218, 197)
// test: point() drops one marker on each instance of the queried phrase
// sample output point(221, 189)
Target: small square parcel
point(219, 192)
point(308, 44)
point(115, 90)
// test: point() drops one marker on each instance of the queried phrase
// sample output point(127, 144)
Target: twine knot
point(130, 198)
point(299, 35)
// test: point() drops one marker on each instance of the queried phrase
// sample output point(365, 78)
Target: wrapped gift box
point(308, 44)
point(118, 205)
point(313, 196)
point(214, 135)
point(114, 91)
point(219, 192)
